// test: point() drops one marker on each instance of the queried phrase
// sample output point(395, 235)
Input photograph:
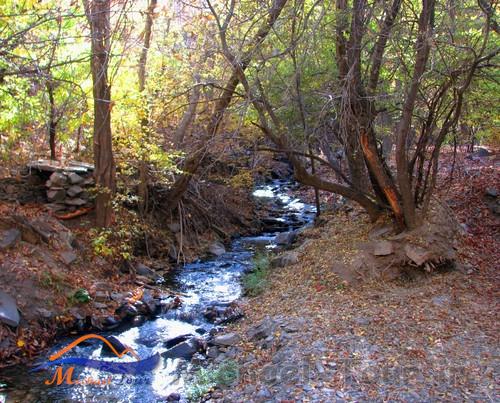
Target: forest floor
point(312, 337)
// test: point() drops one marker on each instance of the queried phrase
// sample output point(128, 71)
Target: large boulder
point(117, 345)
point(126, 311)
point(8, 310)
point(285, 259)
point(262, 330)
point(227, 339)
point(177, 340)
point(285, 238)
point(230, 314)
point(149, 302)
point(383, 248)
point(223, 313)
point(213, 313)
point(143, 270)
point(481, 152)
point(185, 349)
point(68, 257)
point(217, 248)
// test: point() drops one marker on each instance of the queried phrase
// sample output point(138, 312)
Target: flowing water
point(202, 284)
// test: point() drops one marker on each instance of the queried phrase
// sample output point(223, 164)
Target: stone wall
point(68, 191)
point(69, 184)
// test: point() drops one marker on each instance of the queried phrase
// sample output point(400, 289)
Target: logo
point(128, 368)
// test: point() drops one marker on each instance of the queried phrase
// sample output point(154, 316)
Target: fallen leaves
point(433, 337)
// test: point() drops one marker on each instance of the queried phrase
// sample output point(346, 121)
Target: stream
point(214, 281)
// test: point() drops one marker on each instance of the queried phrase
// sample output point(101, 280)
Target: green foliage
point(206, 379)
point(81, 296)
point(39, 44)
point(255, 281)
point(117, 241)
point(100, 242)
point(52, 281)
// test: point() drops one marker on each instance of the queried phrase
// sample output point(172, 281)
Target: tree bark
point(422, 46)
point(187, 118)
point(98, 14)
point(52, 120)
point(148, 29)
point(143, 167)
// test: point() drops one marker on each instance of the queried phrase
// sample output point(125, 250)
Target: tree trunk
point(193, 162)
point(148, 29)
point(277, 136)
point(422, 46)
point(143, 167)
point(98, 14)
point(187, 118)
point(52, 124)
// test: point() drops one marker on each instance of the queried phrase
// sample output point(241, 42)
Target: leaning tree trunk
point(98, 14)
point(148, 30)
point(193, 162)
point(143, 166)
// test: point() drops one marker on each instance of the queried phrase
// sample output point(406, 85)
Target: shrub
point(255, 281)
point(205, 379)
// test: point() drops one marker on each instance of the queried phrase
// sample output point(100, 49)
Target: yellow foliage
point(242, 180)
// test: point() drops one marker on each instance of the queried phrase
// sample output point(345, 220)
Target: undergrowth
point(255, 281)
point(206, 379)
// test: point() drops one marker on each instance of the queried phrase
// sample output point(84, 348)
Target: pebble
point(264, 393)
point(117, 296)
point(320, 368)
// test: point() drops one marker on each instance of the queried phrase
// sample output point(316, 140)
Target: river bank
point(61, 276)
point(314, 336)
point(203, 288)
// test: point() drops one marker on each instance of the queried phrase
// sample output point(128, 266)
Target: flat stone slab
point(56, 166)
point(75, 202)
point(383, 248)
point(68, 257)
point(58, 179)
point(228, 339)
point(8, 310)
point(56, 195)
point(74, 190)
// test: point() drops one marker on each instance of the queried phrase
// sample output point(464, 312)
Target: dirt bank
point(311, 336)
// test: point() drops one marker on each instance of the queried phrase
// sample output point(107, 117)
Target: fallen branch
point(74, 214)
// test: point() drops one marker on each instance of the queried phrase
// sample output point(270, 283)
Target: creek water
point(214, 281)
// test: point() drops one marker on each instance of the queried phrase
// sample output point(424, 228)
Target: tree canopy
point(150, 85)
